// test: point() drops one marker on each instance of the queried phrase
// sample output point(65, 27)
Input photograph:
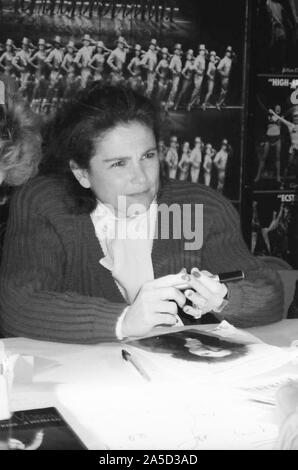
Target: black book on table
point(40, 429)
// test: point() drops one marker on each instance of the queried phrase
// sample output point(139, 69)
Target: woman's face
point(198, 349)
point(125, 163)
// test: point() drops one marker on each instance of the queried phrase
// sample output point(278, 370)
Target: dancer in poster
point(196, 160)
point(283, 34)
point(210, 75)
point(272, 142)
point(7, 59)
point(162, 154)
point(116, 61)
point(208, 163)
point(292, 166)
point(97, 62)
point(38, 62)
point(21, 62)
point(149, 62)
point(175, 68)
point(83, 58)
point(54, 61)
point(134, 68)
point(186, 77)
point(184, 163)
point(172, 157)
point(199, 71)
point(220, 162)
point(224, 69)
point(68, 62)
point(280, 240)
point(162, 74)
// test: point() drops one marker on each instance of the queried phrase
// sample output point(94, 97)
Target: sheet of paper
point(160, 417)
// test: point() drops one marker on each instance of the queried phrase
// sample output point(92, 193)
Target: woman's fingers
point(197, 300)
point(172, 280)
point(205, 280)
point(196, 313)
point(171, 293)
point(165, 319)
point(198, 287)
point(167, 307)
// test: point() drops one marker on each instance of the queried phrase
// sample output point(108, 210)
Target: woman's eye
point(118, 164)
point(150, 155)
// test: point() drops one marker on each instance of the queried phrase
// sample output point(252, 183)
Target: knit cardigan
point(52, 286)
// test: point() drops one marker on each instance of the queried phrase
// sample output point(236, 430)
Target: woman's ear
point(80, 174)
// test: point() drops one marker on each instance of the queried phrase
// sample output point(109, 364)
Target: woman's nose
point(138, 175)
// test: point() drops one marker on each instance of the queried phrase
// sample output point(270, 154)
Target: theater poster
point(275, 225)
point(276, 26)
point(275, 168)
point(276, 133)
point(189, 56)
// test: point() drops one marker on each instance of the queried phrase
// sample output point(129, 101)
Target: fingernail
point(196, 274)
point(185, 277)
point(189, 293)
point(186, 309)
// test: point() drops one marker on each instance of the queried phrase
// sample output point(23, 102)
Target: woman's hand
point(206, 293)
point(155, 305)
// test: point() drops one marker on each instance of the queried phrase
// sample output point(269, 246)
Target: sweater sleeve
point(32, 299)
point(258, 299)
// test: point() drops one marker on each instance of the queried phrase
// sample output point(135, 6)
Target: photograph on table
point(276, 26)
point(275, 225)
point(193, 345)
point(276, 133)
point(206, 151)
point(184, 55)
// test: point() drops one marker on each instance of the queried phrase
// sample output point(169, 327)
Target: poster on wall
point(213, 140)
point(276, 133)
point(275, 225)
point(186, 55)
point(277, 36)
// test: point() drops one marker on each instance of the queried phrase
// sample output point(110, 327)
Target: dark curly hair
point(72, 133)
point(20, 141)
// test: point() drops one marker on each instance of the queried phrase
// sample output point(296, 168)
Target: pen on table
point(128, 357)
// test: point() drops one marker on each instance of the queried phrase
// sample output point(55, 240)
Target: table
point(98, 365)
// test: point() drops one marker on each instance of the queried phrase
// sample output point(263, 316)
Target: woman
point(20, 151)
point(65, 276)
point(208, 162)
point(184, 163)
point(196, 160)
point(172, 157)
point(134, 68)
point(97, 62)
point(20, 142)
point(272, 141)
point(162, 74)
point(6, 59)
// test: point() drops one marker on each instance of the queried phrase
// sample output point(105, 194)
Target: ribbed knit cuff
point(233, 305)
point(119, 324)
